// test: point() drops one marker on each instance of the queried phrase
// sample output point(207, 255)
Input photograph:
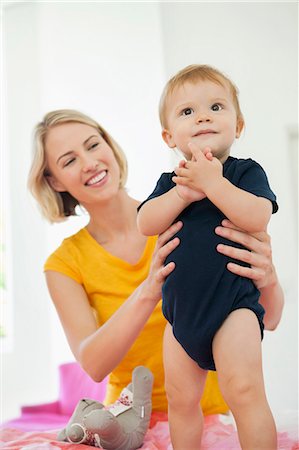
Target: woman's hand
point(261, 271)
point(258, 254)
point(158, 272)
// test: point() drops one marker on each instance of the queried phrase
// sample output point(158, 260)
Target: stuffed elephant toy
point(120, 426)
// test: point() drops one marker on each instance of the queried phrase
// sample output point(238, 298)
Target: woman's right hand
point(88, 341)
point(158, 271)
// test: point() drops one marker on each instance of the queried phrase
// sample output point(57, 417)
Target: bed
point(219, 434)
point(17, 434)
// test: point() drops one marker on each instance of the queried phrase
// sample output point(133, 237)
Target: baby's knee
point(183, 398)
point(241, 391)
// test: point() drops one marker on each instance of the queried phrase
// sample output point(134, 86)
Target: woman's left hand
point(258, 254)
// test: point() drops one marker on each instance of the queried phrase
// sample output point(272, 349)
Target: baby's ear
point(239, 128)
point(55, 184)
point(167, 137)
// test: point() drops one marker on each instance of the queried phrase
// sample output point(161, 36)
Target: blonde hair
point(193, 74)
point(56, 206)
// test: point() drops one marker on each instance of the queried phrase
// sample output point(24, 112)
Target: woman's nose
point(89, 164)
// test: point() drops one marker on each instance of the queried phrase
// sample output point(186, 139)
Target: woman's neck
point(114, 217)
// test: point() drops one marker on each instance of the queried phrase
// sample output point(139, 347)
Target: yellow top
point(108, 282)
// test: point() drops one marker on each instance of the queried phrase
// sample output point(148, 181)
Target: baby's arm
point(245, 210)
point(157, 214)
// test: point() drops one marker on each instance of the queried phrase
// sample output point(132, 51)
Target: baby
point(214, 317)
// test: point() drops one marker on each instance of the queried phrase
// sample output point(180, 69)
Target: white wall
point(105, 59)
point(111, 61)
point(26, 370)
point(256, 44)
point(245, 41)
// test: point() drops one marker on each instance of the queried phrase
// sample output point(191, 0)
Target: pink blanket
point(217, 435)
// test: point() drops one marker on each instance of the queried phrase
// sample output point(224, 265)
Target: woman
point(105, 281)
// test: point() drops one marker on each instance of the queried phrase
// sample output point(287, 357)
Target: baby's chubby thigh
point(238, 358)
point(184, 379)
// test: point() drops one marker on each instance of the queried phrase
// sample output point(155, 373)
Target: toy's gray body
point(92, 424)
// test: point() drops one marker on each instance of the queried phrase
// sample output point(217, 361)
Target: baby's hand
point(208, 153)
point(185, 192)
point(201, 172)
point(188, 194)
point(197, 153)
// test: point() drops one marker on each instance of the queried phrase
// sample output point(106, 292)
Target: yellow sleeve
point(64, 260)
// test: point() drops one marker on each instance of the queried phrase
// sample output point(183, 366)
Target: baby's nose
point(203, 117)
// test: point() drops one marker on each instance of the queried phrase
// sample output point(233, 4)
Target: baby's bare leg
point(184, 383)
point(238, 359)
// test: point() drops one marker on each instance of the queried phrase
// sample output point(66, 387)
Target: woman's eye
point(187, 111)
point(68, 162)
point(216, 107)
point(93, 146)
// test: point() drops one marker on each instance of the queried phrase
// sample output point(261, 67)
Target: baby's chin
point(183, 153)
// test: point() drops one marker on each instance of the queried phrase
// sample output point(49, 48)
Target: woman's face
point(81, 162)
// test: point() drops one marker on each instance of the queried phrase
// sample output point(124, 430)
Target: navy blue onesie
point(201, 292)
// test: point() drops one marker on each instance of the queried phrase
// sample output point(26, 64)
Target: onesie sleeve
point(164, 184)
point(253, 179)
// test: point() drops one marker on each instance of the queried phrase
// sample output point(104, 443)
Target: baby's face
point(201, 112)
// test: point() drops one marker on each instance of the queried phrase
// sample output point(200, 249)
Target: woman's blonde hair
point(56, 206)
point(193, 74)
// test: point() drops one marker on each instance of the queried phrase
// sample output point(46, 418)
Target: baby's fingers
point(180, 180)
point(181, 171)
point(208, 153)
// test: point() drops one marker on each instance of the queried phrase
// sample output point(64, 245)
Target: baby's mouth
point(204, 132)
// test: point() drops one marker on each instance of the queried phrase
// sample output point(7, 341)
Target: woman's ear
point(55, 184)
point(167, 137)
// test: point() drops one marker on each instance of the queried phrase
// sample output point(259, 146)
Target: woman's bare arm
point(99, 350)
point(261, 270)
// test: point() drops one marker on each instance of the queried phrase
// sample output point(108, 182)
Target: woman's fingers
point(257, 253)
point(254, 274)
point(166, 243)
point(259, 265)
point(261, 235)
point(169, 233)
point(164, 251)
point(258, 242)
point(235, 253)
point(165, 271)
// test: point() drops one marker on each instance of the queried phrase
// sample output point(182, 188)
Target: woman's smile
point(96, 180)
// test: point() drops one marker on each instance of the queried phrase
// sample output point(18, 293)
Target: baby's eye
point(187, 112)
point(216, 107)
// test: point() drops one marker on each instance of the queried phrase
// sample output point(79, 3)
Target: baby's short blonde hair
point(193, 74)
point(56, 206)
